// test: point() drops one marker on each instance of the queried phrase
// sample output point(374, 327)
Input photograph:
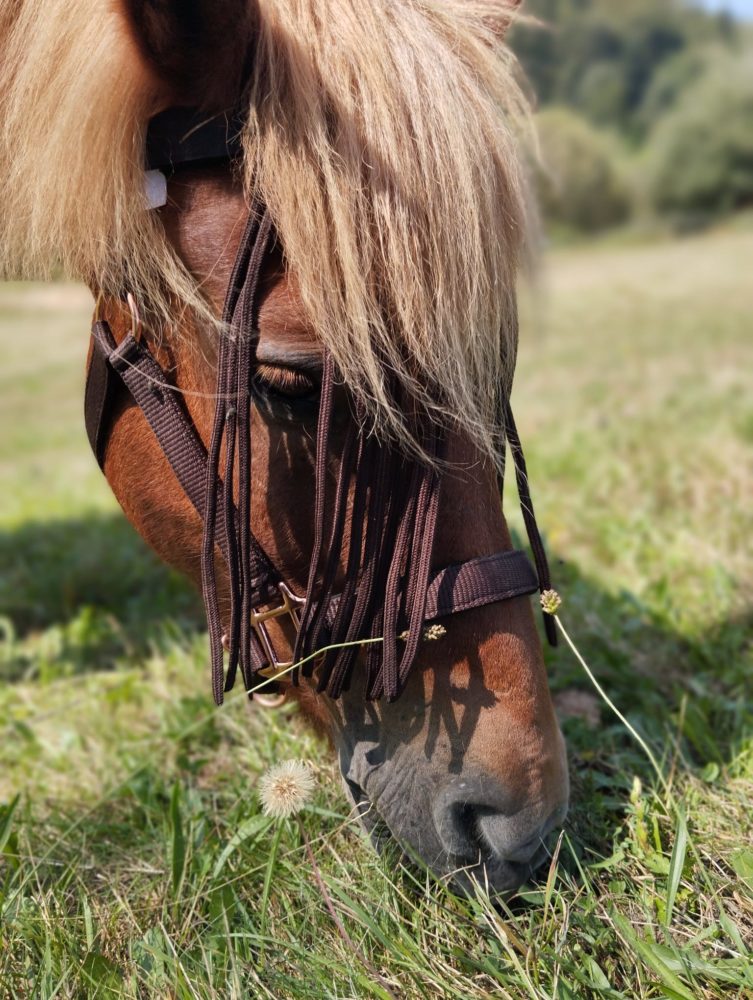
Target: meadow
point(134, 857)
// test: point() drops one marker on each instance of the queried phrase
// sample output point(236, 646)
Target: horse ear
point(196, 50)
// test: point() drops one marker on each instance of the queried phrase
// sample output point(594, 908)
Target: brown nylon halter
point(389, 591)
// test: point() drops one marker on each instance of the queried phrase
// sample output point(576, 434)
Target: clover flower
point(431, 634)
point(551, 602)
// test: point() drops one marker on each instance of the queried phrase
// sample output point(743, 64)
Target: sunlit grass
point(135, 856)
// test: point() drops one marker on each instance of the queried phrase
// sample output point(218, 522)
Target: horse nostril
point(482, 833)
point(519, 838)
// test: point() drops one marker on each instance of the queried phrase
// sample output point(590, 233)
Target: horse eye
point(286, 383)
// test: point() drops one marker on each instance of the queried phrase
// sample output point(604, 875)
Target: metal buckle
point(271, 700)
point(291, 606)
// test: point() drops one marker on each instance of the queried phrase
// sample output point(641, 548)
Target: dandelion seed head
point(286, 788)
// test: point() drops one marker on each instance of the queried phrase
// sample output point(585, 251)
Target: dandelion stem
point(264, 905)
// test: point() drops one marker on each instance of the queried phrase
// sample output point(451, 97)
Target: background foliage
point(672, 86)
point(579, 177)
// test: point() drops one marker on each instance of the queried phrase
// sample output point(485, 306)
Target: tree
point(602, 57)
point(578, 180)
point(702, 152)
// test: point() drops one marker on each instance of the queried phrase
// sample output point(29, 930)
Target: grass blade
point(671, 983)
point(676, 865)
point(179, 841)
point(250, 830)
point(6, 821)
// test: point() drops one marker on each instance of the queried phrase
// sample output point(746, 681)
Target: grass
point(135, 860)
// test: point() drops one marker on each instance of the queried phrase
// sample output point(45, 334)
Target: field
point(134, 861)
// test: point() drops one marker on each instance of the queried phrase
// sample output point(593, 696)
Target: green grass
point(134, 860)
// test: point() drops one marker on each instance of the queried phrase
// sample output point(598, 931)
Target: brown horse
point(379, 137)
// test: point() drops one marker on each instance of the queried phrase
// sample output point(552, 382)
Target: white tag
point(155, 188)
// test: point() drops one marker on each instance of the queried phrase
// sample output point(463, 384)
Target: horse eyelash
point(287, 381)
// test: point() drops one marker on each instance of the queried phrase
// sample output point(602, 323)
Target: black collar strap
point(181, 136)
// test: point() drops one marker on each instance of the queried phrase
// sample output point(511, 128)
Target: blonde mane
point(381, 134)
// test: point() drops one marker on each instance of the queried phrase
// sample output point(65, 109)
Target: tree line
point(642, 105)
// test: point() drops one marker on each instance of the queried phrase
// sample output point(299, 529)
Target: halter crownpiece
point(389, 590)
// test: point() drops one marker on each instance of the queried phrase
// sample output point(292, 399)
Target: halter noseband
point(388, 584)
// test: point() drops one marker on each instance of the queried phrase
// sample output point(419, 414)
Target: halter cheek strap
point(130, 369)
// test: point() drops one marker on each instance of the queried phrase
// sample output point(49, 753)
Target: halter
point(389, 591)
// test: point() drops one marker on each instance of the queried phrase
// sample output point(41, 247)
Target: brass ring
point(270, 700)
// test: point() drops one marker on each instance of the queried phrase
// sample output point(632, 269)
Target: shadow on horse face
point(467, 769)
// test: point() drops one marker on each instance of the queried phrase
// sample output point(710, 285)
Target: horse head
point(377, 139)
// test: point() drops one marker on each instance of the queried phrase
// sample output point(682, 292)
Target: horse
point(318, 283)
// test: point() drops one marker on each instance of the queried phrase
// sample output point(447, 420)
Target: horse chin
point(486, 876)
